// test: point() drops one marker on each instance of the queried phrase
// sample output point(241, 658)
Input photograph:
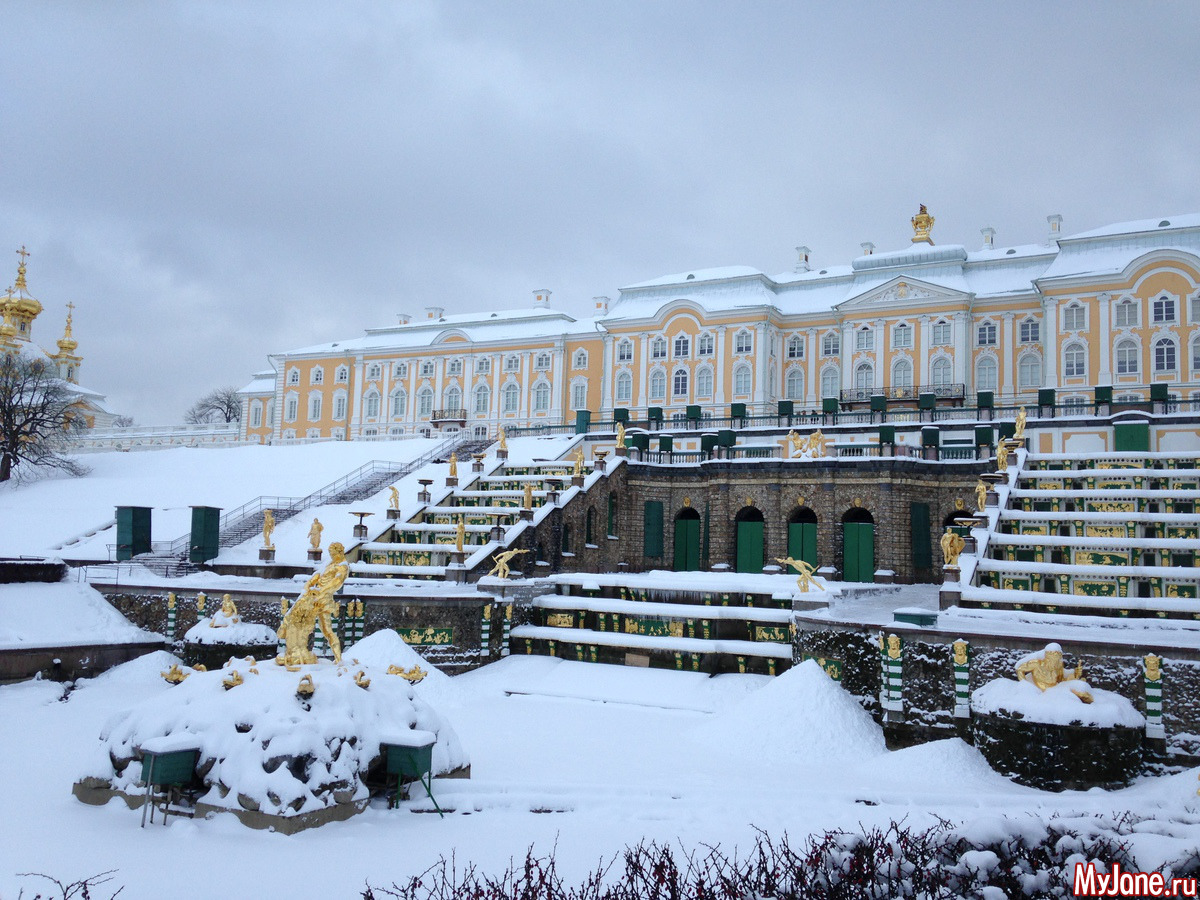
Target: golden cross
point(23, 253)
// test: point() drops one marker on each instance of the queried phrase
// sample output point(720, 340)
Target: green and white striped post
point(506, 629)
point(960, 653)
point(319, 646)
point(171, 618)
point(891, 673)
point(1152, 678)
point(485, 631)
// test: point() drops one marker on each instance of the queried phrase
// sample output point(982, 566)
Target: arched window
point(679, 383)
point(579, 395)
point(704, 383)
point(1127, 358)
point(658, 348)
point(541, 361)
point(1163, 310)
point(399, 403)
point(704, 345)
point(902, 336)
point(793, 388)
point(864, 338)
point(1074, 317)
point(341, 375)
point(372, 403)
point(453, 397)
point(682, 346)
point(742, 380)
point(795, 347)
point(541, 397)
point(483, 400)
point(986, 373)
point(864, 378)
point(624, 387)
point(293, 376)
point(658, 384)
point(831, 382)
point(291, 407)
point(374, 371)
point(425, 402)
point(943, 333)
point(1164, 355)
point(1196, 355)
point(512, 398)
point(1074, 361)
point(316, 375)
point(580, 360)
point(985, 334)
point(625, 350)
point(902, 374)
point(314, 407)
point(1127, 313)
point(339, 405)
point(1030, 332)
point(1029, 372)
point(743, 342)
point(941, 372)
point(831, 344)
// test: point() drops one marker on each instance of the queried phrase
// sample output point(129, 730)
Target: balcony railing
point(905, 393)
point(449, 415)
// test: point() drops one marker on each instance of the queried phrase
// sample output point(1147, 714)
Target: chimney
point(1055, 227)
point(404, 318)
point(868, 248)
point(989, 237)
point(802, 262)
point(434, 312)
point(601, 305)
point(541, 298)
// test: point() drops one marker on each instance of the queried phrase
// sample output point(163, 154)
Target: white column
point(962, 349)
point(881, 374)
point(357, 395)
point(762, 366)
point(1049, 342)
point(1007, 355)
point(643, 388)
point(607, 374)
point(525, 377)
point(847, 355)
point(924, 350)
point(812, 367)
point(720, 372)
point(1104, 307)
point(558, 401)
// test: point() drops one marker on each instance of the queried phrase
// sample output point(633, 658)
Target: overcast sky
point(211, 182)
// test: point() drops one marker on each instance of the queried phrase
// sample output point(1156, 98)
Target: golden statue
point(460, 534)
point(306, 688)
point(1019, 431)
point(620, 434)
point(500, 569)
point(174, 675)
point(798, 443)
point(234, 679)
point(394, 498)
point(453, 465)
point(315, 604)
point(227, 615)
point(1046, 670)
point(922, 224)
point(804, 570)
point(200, 598)
point(1002, 456)
point(502, 439)
point(578, 462)
point(960, 652)
point(362, 680)
point(268, 529)
point(314, 534)
point(952, 546)
point(816, 443)
point(527, 496)
point(415, 675)
point(892, 647)
point(1153, 667)
point(980, 495)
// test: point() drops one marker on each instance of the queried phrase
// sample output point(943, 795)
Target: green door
point(802, 543)
point(749, 546)
point(687, 545)
point(858, 551)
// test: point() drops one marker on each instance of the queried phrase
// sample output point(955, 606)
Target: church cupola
point(19, 307)
point(66, 358)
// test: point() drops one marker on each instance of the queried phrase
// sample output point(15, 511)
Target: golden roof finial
point(922, 223)
point(67, 344)
point(23, 253)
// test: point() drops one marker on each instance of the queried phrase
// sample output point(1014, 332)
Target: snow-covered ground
point(579, 756)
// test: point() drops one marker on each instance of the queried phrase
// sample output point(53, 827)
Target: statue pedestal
point(457, 557)
point(477, 464)
point(457, 573)
point(266, 554)
point(598, 464)
point(577, 481)
point(622, 451)
point(424, 497)
point(451, 481)
point(496, 534)
point(393, 515)
point(951, 592)
point(551, 498)
point(527, 515)
point(315, 555)
point(360, 532)
point(501, 454)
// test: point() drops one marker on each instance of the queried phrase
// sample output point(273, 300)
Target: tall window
point(704, 382)
point(579, 395)
point(314, 407)
point(943, 333)
point(831, 382)
point(986, 374)
point(372, 404)
point(1196, 354)
point(681, 347)
point(512, 398)
point(831, 344)
point(625, 351)
point(864, 339)
point(985, 334)
point(1127, 313)
point(795, 347)
point(1163, 310)
point(580, 359)
point(339, 405)
point(541, 397)
point(453, 398)
point(793, 387)
point(742, 380)
point(658, 384)
point(424, 402)
point(624, 387)
point(658, 348)
point(1074, 317)
point(864, 378)
point(902, 374)
point(941, 372)
point(679, 383)
point(1031, 332)
point(256, 416)
point(902, 336)
point(1074, 361)
point(1029, 372)
point(1164, 355)
point(743, 342)
point(483, 400)
point(1127, 358)
point(399, 403)
point(705, 345)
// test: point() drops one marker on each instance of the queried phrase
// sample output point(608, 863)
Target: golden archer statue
point(804, 570)
point(268, 529)
point(315, 604)
point(952, 546)
point(502, 560)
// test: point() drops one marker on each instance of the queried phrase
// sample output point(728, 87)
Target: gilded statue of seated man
point(314, 606)
point(1047, 670)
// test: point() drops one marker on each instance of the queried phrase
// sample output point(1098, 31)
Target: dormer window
point(743, 342)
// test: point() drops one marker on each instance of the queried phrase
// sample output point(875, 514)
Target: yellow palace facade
point(1118, 306)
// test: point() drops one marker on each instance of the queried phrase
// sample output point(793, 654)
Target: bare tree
point(221, 405)
point(40, 416)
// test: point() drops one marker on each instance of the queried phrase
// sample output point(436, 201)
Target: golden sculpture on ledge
point(1047, 670)
point(174, 675)
point(1019, 431)
point(1002, 457)
point(578, 462)
point(394, 499)
point(315, 604)
point(922, 224)
point(980, 495)
point(527, 496)
point(227, 615)
point(805, 570)
point(500, 569)
point(314, 534)
point(798, 443)
point(460, 534)
point(268, 529)
point(453, 465)
point(1153, 671)
point(362, 680)
point(502, 439)
point(415, 675)
point(952, 545)
point(620, 434)
point(234, 679)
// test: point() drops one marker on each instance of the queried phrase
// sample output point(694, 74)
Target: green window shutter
point(922, 553)
point(652, 540)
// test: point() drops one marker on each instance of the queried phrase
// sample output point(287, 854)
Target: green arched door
point(687, 541)
point(858, 546)
point(802, 538)
point(748, 552)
